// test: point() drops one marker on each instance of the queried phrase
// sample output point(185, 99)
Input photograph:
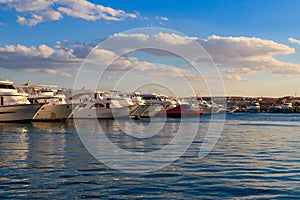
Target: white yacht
point(157, 99)
point(55, 108)
point(287, 107)
point(211, 107)
point(14, 106)
point(254, 107)
point(98, 105)
point(152, 104)
point(275, 108)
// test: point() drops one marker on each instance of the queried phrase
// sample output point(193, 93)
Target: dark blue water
point(256, 157)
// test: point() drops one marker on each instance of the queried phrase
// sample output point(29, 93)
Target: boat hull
point(275, 109)
point(253, 110)
point(179, 112)
point(101, 113)
point(20, 112)
point(287, 110)
point(56, 112)
point(146, 111)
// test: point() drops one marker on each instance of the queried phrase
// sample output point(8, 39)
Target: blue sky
point(254, 44)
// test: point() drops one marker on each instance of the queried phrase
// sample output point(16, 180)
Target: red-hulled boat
point(181, 110)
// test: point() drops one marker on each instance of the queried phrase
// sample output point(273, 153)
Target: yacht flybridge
point(15, 106)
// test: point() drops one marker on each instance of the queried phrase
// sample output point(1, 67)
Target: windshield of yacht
point(5, 86)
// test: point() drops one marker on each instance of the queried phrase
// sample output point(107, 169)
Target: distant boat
point(232, 109)
point(14, 106)
point(181, 110)
point(211, 108)
point(151, 104)
point(254, 108)
point(275, 109)
point(287, 107)
point(297, 109)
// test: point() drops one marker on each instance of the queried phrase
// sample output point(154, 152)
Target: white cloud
point(235, 56)
point(232, 77)
point(31, 13)
point(49, 71)
point(179, 70)
point(162, 18)
point(172, 39)
point(295, 41)
point(286, 72)
point(243, 46)
point(62, 60)
point(246, 55)
point(89, 11)
point(38, 59)
point(156, 44)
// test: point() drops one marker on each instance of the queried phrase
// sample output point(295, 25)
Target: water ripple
point(257, 157)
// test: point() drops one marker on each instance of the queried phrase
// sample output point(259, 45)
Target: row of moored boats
point(255, 107)
point(47, 103)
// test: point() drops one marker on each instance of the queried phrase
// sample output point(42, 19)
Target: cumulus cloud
point(31, 13)
point(243, 46)
point(163, 44)
point(232, 77)
point(41, 51)
point(105, 60)
point(295, 41)
point(42, 59)
point(247, 54)
point(89, 11)
point(49, 71)
point(65, 58)
point(34, 19)
point(286, 72)
point(236, 57)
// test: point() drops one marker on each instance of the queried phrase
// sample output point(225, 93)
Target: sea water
point(257, 156)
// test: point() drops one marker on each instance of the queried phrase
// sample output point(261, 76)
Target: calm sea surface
point(257, 156)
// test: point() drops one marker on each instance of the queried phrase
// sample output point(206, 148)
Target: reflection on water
point(55, 127)
point(256, 157)
point(28, 151)
point(15, 158)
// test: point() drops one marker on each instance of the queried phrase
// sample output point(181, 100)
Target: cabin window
point(2, 101)
point(98, 105)
point(4, 86)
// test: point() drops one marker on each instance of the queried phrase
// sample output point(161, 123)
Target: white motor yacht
point(152, 104)
point(55, 108)
point(287, 107)
point(14, 106)
point(254, 108)
point(211, 107)
point(99, 105)
point(275, 109)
